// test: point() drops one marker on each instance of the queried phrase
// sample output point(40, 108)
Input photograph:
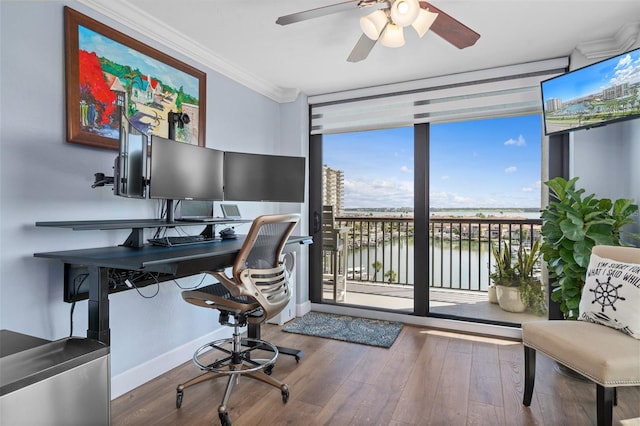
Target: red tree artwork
point(94, 89)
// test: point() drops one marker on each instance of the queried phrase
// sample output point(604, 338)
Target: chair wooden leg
point(529, 374)
point(605, 397)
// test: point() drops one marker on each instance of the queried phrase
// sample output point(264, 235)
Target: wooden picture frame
point(108, 77)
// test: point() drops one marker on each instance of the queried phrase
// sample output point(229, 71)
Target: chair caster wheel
point(268, 370)
point(179, 396)
point(285, 396)
point(225, 420)
point(297, 359)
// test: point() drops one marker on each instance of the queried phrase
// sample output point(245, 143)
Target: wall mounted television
point(257, 177)
point(595, 95)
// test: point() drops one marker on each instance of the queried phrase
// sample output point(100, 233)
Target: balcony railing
point(380, 250)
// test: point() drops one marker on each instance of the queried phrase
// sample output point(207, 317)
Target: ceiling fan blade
point(361, 49)
point(315, 13)
point(450, 29)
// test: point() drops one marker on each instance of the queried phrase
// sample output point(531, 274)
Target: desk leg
point(98, 305)
point(253, 332)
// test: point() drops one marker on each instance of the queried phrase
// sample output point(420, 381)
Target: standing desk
point(163, 263)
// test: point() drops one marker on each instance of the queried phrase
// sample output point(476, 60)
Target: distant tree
point(391, 276)
point(377, 265)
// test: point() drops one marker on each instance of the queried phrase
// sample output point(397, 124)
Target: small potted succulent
point(518, 288)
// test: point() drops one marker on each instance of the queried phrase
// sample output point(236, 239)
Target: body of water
point(448, 213)
point(454, 266)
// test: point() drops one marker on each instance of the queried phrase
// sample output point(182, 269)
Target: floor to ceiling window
point(484, 184)
point(484, 190)
point(477, 175)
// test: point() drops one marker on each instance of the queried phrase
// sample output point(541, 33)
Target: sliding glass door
point(366, 192)
point(418, 209)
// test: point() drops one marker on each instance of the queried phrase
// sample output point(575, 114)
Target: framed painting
point(111, 77)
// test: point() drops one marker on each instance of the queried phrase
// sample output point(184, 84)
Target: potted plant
point(571, 226)
point(517, 287)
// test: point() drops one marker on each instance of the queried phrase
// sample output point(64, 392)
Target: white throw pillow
point(611, 295)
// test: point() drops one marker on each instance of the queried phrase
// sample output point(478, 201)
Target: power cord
point(148, 275)
point(191, 288)
point(76, 289)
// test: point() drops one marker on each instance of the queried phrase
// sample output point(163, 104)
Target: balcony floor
point(456, 303)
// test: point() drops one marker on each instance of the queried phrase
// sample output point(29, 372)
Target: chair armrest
point(228, 282)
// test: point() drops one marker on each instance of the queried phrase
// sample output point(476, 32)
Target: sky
point(594, 78)
point(105, 47)
point(491, 163)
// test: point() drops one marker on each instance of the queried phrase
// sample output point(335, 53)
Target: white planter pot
point(492, 294)
point(509, 299)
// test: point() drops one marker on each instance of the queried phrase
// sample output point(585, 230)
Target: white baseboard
point(439, 323)
point(139, 375)
point(303, 308)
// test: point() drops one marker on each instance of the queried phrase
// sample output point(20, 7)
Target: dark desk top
point(159, 259)
point(137, 226)
point(88, 225)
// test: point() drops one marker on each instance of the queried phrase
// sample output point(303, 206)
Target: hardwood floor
point(428, 377)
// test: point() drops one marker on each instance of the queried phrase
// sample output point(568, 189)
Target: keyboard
point(179, 240)
point(204, 219)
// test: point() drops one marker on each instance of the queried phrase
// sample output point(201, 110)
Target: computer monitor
point(257, 177)
point(130, 169)
point(181, 171)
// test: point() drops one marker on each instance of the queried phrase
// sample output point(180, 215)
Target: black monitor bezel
point(268, 178)
point(200, 167)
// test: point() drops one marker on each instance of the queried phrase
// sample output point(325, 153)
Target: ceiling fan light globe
point(424, 21)
point(404, 12)
point(393, 36)
point(373, 24)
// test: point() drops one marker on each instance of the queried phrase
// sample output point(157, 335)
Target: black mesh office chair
point(258, 290)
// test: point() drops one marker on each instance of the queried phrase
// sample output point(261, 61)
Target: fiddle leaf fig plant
point(571, 225)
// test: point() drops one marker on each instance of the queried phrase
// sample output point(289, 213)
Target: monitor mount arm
point(176, 118)
point(102, 180)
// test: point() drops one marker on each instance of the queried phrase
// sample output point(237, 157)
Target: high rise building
point(332, 188)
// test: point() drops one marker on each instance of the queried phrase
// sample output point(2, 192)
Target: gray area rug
point(349, 329)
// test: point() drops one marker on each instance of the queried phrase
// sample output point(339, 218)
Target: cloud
point(444, 177)
point(511, 169)
point(405, 169)
point(453, 200)
point(527, 189)
point(378, 193)
point(626, 71)
point(519, 142)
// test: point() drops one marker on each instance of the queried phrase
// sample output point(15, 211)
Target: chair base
point(235, 362)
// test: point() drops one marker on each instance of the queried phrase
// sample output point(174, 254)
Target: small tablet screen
point(231, 211)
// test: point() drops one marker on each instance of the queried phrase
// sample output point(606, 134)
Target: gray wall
point(607, 159)
point(44, 178)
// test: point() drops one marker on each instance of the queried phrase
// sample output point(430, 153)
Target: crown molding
point(619, 43)
point(126, 13)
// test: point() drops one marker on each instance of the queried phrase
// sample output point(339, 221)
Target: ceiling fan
point(387, 20)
